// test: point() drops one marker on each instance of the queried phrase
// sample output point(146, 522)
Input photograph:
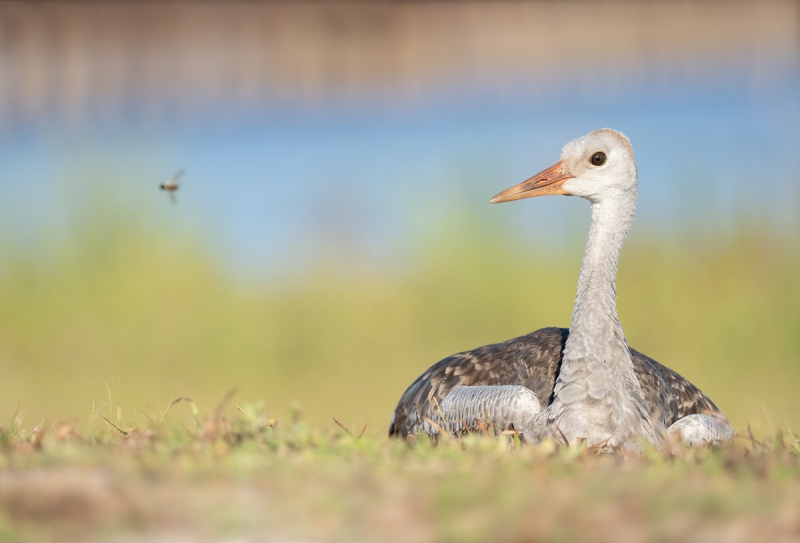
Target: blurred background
point(332, 238)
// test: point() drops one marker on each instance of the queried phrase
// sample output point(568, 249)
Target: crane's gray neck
point(594, 318)
point(597, 395)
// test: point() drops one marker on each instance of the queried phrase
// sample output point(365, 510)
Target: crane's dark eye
point(598, 159)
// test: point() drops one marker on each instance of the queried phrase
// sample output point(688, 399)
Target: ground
point(239, 475)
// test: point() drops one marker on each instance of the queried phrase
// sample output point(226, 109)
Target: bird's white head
point(597, 166)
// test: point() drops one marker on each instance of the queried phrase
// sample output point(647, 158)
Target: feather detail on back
point(533, 361)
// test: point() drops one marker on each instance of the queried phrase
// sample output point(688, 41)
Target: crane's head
point(598, 166)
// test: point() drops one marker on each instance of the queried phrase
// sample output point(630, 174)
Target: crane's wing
point(531, 361)
point(698, 429)
point(500, 407)
point(670, 395)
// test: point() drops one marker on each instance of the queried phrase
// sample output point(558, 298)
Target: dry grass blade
point(439, 409)
point(117, 428)
point(210, 429)
point(602, 447)
point(38, 433)
point(342, 426)
point(752, 439)
point(437, 427)
point(560, 437)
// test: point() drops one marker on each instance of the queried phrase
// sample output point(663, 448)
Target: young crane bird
point(581, 384)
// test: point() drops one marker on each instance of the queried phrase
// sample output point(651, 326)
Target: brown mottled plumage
point(533, 361)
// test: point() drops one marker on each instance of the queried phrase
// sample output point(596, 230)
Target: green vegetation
point(240, 474)
point(111, 305)
point(105, 325)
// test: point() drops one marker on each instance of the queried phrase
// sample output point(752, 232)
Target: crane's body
point(455, 392)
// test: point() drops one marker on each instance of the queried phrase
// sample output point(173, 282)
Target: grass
point(239, 473)
point(119, 343)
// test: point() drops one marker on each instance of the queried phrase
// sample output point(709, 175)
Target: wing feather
point(532, 361)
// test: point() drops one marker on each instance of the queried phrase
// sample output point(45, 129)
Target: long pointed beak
point(544, 183)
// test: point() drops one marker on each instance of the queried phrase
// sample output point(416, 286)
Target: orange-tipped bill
point(543, 183)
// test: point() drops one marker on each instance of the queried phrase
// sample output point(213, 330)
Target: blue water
point(270, 189)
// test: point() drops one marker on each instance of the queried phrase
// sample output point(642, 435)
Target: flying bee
point(172, 185)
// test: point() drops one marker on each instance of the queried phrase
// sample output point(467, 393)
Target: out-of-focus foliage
point(239, 473)
point(110, 307)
